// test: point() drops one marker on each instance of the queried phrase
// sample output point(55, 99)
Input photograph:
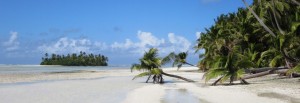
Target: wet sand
point(116, 86)
point(269, 89)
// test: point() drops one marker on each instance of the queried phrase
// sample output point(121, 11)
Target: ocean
point(16, 69)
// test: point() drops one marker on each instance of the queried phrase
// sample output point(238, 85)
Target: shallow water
point(179, 96)
point(15, 69)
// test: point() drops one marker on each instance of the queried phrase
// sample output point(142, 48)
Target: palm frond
point(156, 71)
point(225, 77)
point(275, 61)
point(295, 69)
point(240, 73)
point(213, 73)
point(135, 67)
point(268, 52)
point(168, 58)
point(141, 75)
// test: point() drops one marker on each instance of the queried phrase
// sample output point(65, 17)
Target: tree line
point(265, 34)
point(81, 59)
point(262, 39)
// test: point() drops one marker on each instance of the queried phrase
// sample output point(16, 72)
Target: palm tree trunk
point(215, 83)
point(272, 71)
point(258, 19)
point(154, 79)
point(176, 76)
point(244, 81)
point(296, 2)
point(262, 73)
point(258, 74)
point(190, 64)
point(148, 78)
point(231, 80)
point(161, 79)
point(275, 18)
point(258, 70)
point(286, 56)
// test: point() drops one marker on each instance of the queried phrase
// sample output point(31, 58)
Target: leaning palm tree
point(178, 59)
point(151, 64)
point(230, 66)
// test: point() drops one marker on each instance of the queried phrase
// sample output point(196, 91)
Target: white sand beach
point(116, 86)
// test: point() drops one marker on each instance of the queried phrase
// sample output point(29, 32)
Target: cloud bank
point(146, 40)
point(126, 49)
point(68, 45)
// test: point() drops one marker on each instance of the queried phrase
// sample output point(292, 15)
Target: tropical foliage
point(81, 59)
point(151, 64)
point(178, 59)
point(267, 33)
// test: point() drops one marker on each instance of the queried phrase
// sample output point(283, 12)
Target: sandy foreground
point(116, 86)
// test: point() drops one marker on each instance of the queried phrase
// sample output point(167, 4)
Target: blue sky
point(119, 29)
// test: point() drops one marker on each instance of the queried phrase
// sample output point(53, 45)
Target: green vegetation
point(74, 59)
point(178, 59)
point(262, 39)
point(266, 34)
point(151, 64)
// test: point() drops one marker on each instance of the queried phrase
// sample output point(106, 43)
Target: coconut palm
point(230, 47)
point(178, 59)
point(151, 64)
point(283, 19)
point(237, 40)
point(229, 66)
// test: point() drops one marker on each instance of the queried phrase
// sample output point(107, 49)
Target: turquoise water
point(14, 69)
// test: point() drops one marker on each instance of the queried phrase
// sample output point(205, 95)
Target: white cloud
point(100, 45)
point(12, 43)
point(128, 44)
point(66, 45)
point(178, 43)
point(146, 41)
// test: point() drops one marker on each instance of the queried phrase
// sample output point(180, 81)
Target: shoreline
point(268, 89)
point(89, 84)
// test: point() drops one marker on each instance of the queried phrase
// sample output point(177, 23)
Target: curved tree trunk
point(148, 78)
point(215, 83)
point(176, 76)
point(258, 74)
point(243, 81)
point(258, 19)
point(296, 2)
point(258, 70)
point(275, 70)
point(190, 64)
point(282, 70)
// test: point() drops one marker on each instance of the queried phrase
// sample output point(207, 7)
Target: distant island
point(81, 59)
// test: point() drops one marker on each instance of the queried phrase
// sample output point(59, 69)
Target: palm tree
point(282, 17)
point(229, 66)
point(232, 44)
point(230, 48)
point(75, 60)
point(178, 59)
point(150, 64)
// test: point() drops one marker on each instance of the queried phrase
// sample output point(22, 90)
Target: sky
point(122, 30)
